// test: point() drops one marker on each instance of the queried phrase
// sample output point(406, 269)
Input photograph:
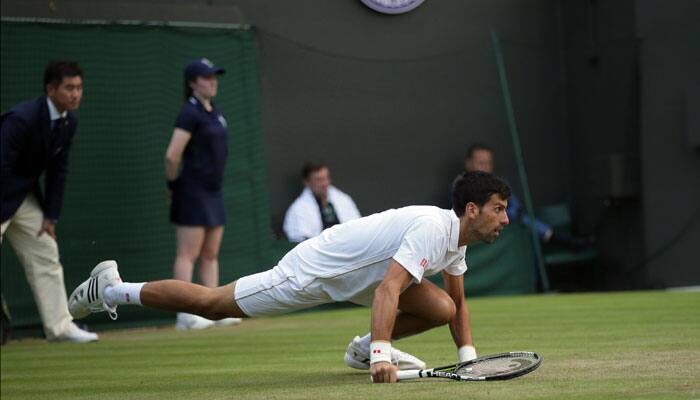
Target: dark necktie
point(57, 126)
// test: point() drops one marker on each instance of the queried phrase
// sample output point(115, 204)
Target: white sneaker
point(228, 321)
point(77, 335)
point(89, 296)
point(187, 321)
point(356, 357)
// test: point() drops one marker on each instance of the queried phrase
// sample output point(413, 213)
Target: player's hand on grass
point(383, 372)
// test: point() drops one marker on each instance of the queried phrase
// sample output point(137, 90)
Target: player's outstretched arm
point(384, 309)
point(460, 326)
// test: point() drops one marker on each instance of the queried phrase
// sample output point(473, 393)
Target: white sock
point(365, 341)
point(124, 293)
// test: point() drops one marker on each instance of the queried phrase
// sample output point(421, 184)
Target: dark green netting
point(115, 202)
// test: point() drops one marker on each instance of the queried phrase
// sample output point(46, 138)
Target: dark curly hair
point(476, 187)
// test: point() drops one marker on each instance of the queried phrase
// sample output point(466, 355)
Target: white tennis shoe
point(89, 296)
point(228, 322)
point(187, 321)
point(356, 357)
point(76, 335)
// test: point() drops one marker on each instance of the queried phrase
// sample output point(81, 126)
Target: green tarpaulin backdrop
point(115, 203)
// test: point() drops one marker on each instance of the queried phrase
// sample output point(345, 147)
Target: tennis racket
point(487, 368)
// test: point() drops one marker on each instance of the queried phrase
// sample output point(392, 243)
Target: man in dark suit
point(35, 137)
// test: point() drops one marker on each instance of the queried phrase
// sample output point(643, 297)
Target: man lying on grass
point(379, 260)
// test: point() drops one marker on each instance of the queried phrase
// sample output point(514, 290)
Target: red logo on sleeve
point(424, 263)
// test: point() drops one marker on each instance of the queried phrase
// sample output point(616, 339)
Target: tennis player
point(379, 260)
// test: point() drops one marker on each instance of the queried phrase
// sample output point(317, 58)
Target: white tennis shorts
point(272, 292)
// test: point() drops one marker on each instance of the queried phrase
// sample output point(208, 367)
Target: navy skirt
point(194, 205)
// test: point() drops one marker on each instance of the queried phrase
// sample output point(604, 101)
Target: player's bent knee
point(445, 311)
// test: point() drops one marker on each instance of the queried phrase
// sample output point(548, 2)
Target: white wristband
point(466, 353)
point(379, 351)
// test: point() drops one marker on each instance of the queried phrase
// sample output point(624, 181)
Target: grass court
point(632, 345)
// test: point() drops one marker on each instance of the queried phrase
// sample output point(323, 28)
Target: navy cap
point(201, 67)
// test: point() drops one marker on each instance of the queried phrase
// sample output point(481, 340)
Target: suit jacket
point(28, 148)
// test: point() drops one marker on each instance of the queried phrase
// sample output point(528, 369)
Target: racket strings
point(494, 367)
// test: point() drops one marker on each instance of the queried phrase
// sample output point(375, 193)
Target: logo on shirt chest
point(424, 263)
point(222, 121)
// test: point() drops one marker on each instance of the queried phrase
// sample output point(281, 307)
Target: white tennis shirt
point(348, 261)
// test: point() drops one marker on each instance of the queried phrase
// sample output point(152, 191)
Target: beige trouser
point(39, 257)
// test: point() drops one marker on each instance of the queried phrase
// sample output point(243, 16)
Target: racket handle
point(409, 374)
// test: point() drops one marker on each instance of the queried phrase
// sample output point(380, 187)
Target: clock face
point(392, 6)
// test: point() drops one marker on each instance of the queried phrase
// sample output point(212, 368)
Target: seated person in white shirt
point(319, 206)
point(379, 260)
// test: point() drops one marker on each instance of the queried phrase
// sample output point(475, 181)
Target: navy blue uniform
point(28, 148)
point(198, 198)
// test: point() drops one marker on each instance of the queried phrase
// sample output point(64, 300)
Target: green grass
point(638, 345)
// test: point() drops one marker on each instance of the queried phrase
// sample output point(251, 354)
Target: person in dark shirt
point(200, 143)
point(480, 158)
